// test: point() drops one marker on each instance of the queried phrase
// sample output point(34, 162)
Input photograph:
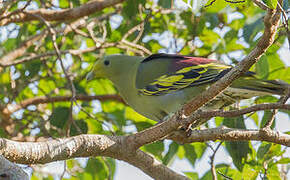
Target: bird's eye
point(106, 62)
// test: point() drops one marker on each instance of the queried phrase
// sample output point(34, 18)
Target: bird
point(160, 84)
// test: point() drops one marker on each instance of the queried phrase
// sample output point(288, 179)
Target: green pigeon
point(158, 85)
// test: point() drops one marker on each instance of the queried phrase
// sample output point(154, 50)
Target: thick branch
point(84, 146)
point(60, 15)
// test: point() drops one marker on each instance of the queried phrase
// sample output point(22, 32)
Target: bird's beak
point(97, 72)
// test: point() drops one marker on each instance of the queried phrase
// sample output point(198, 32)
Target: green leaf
point(63, 3)
point(173, 148)
point(285, 160)
point(250, 30)
point(275, 62)
point(10, 44)
point(265, 119)
point(271, 3)
point(209, 36)
point(265, 99)
point(255, 118)
point(136, 117)
point(33, 68)
point(155, 148)
point(238, 150)
point(191, 175)
point(59, 116)
point(96, 169)
point(273, 173)
point(199, 148)
point(263, 149)
point(94, 127)
point(165, 3)
point(249, 173)
point(235, 122)
point(81, 124)
point(130, 8)
point(228, 171)
point(233, 45)
point(181, 152)
point(219, 121)
point(190, 153)
point(262, 67)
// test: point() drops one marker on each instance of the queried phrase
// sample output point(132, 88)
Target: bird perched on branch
point(160, 84)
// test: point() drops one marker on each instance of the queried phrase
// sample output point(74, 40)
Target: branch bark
point(231, 134)
point(119, 148)
point(85, 146)
point(59, 15)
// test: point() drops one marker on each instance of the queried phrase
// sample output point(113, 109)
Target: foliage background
point(224, 31)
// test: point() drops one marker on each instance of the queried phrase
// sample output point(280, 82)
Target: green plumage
point(160, 84)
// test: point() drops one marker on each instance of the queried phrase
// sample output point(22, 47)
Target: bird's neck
point(125, 82)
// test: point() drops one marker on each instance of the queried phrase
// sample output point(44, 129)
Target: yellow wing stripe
point(170, 83)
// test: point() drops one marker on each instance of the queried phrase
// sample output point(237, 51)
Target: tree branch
point(119, 148)
point(231, 134)
point(213, 170)
point(205, 115)
point(261, 4)
point(271, 119)
point(85, 146)
point(59, 15)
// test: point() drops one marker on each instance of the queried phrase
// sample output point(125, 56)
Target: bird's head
point(112, 66)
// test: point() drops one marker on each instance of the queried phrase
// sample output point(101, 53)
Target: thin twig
point(69, 79)
point(213, 171)
point(227, 177)
point(271, 119)
point(285, 22)
point(64, 170)
point(261, 4)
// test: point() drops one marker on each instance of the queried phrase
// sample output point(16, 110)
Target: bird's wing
point(161, 74)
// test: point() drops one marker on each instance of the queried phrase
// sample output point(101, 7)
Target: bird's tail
point(262, 87)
